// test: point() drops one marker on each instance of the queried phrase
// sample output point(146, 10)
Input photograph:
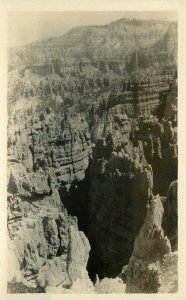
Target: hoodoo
point(92, 160)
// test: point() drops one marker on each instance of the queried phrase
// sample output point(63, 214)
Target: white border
point(96, 5)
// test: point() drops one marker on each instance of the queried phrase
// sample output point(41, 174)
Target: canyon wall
point(116, 42)
point(92, 174)
point(43, 238)
point(122, 183)
point(58, 178)
point(152, 267)
point(170, 218)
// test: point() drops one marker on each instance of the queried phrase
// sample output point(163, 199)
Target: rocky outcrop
point(152, 267)
point(116, 41)
point(77, 165)
point(48, 165)
point(121, 187)
point(132, 59)
point(43, 245)
point(56, 151)
point(43, 238)
point(159, 139)
point(43, 241)
point(170, 218)
point(110, 286)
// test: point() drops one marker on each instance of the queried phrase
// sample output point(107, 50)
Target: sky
point(26, 27)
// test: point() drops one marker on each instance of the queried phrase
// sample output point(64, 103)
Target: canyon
point(92, 161)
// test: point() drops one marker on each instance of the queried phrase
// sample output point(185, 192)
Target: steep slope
point(116, 41)
point(170, 219)
point(152, 267)
point(77, 162)
point(44, 239)
point(50, 146)
point(43, 242)
point(121, 187)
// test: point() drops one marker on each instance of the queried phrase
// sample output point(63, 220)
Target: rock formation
point(42, 144)
point(170, 220)
point(120, 39)
point(43, 245)
point(110, 286)
point(43, 238)
point(159, 139)
point(122, 183)
point(92, 137)
point(152, 267)
point(126, 57)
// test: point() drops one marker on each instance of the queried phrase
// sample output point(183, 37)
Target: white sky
point(26, 27)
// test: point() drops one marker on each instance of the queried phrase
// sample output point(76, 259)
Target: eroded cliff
point(43, 238)
point(122, 183)
point(86, 157)
point(152, 267)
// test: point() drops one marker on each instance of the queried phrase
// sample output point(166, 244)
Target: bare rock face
point(171, 101)
point(121, 187)
point(152, 266)
point(80, 286)
point(42, 144)
point(170, 220)
point(96, 168)
point(120, 38)
point(110, 286)
point(159, 140)
point(78, 250)
point(43, 242)
point(43, 239)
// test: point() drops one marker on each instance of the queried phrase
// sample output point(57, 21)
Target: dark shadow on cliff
point(76, 200)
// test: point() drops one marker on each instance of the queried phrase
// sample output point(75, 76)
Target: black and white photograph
point(92, 152)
